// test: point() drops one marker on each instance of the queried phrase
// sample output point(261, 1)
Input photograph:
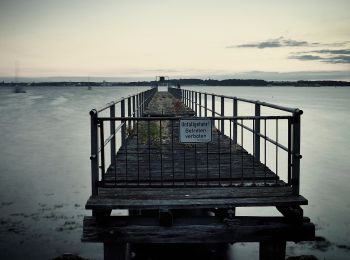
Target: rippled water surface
point(45, 174)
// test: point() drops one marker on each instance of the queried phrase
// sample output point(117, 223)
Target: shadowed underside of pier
point(157, 171)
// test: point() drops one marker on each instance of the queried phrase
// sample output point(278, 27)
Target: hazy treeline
point(184, 82)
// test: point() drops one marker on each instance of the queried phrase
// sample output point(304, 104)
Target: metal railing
point(130, 107)
point(150, 154)
point(204, 103)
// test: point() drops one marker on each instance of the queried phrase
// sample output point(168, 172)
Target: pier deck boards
point(160, 172)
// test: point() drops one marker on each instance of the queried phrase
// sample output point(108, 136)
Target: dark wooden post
point(272, 250)
point(257, 132)
point(116, 251)
point(94, 152)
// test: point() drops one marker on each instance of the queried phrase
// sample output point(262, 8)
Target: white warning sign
point(195, 130)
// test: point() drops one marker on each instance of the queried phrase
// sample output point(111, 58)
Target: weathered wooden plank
point(189, 193)
point(105, 202)
point(196, 230)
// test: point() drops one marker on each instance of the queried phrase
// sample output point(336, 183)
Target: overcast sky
point(182, 38)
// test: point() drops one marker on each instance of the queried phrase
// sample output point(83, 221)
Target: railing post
point(112, 132)
point(94, 153)
point(235, 113)
point(139, 105)
point(134, 106)
point(122, 114)
point(195, 103)
point(257, 132)
point(129, 112)
point(205, 104)
point(213, 105)
point(142, 102)
point(102, 140)
point(296, 152)
point(192, 94)
point(200, 104)
point(222, 115)
point(187, 98)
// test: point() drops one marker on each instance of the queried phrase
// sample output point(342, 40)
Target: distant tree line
point(195, 82)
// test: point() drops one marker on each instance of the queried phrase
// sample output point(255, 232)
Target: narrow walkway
point(153, 158)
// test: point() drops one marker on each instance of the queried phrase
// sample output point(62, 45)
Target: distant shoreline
point(191, 82)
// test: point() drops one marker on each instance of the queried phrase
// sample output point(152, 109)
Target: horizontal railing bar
point(178, 118)
point(264, 137)
point(119, 127)
point(274, 142)
point(283, 108)
point(109, 104)
point(106, 142)
point(111, 136)
point(118, 101)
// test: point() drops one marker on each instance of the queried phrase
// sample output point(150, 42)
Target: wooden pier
point(180, 192)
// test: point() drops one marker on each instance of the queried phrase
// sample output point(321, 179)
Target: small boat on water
point(19, 89)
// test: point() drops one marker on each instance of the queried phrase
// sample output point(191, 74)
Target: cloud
point(341, 51)
point(305, 57)
point(344, 59)
point(283, 42)
point(338, 59)
point(292, 75)
point(275, 43)
point(326, 51)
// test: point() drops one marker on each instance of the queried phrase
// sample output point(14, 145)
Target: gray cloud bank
point(334, 56)
point(284, 42)
point(325, 55)
point(275, 43)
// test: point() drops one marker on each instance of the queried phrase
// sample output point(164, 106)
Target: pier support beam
point(116, 251)
point(292, 213)
point(165, 218)
point(272, 250)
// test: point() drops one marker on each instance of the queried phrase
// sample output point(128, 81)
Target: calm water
point(45, 181)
